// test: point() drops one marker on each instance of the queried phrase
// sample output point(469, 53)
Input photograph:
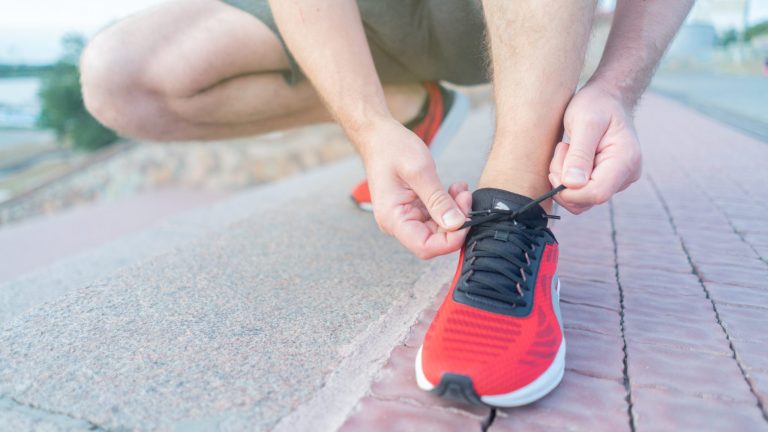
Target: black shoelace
point(481, 258)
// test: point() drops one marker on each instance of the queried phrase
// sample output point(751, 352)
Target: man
point(199, 69)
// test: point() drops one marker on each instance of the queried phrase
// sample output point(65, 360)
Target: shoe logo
point(500, 206)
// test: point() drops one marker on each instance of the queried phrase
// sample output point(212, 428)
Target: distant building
point(695, 43)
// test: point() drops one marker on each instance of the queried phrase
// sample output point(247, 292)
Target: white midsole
point(532, 392)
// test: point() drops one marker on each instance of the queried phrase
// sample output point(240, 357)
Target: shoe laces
point(506, 254)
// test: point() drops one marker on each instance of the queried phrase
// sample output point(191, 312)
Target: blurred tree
point(756, 30)
point(63, 109)
point(729, 37)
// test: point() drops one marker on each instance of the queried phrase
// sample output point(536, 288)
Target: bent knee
point(108, 82)
point(114, 92)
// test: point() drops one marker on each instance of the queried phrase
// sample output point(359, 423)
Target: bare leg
point(537, 53)
point(200, 69)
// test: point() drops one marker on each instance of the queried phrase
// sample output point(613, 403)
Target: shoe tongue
point(491, 198)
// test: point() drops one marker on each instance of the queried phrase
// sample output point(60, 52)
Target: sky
point(30, 30)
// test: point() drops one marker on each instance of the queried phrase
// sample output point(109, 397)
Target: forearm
point(328, 41)
point(640, 34)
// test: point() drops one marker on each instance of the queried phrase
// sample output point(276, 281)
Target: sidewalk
point(296, 314)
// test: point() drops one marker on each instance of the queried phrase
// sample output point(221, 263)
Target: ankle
point(531, 189)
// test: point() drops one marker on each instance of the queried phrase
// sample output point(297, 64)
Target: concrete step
point(230, 317)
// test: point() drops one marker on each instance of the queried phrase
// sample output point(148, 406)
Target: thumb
point(439, 203)
point(580, 157)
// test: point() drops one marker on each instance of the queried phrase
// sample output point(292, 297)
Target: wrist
point(621, 89)
point(364, 130)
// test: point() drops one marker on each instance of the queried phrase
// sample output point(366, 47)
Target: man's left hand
point(603, 155)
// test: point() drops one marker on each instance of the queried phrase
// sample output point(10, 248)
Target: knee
point(113, 90)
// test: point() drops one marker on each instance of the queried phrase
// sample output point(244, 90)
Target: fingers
point(425, 240)
point(558, 159)
point(439, 203)
point(416, 230)
point(608, 178)
point(462, 196)
point(585, 135)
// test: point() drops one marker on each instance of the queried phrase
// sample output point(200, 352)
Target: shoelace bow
point(523, 238)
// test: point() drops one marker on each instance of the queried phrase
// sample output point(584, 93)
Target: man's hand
point(409, 202)
point(603, 156)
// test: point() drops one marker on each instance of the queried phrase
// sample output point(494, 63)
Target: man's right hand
point(409, 202)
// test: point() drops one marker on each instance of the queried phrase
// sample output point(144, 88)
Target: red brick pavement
point(664, 300)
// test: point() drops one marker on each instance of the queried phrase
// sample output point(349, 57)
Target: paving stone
point(591, 293)
point(690, 372)
point(735, 247)
point(600, 272)
point(738, 296)
point(572, 253)
point(756, 278)
point(659, 283)
point(579, 403)
point(594, 354)
point(374, 415)
point(736, 261)
point(673, 305)
point(640, 257)
point(692, 333)
point(743, 323)
point(588, 318)
point(663, 411)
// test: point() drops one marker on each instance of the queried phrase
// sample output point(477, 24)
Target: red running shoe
point(498, 338)
point(441, 116)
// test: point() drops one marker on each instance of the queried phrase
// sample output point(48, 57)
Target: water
point(19, 103)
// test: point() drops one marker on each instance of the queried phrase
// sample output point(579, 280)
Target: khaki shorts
point(410, 40)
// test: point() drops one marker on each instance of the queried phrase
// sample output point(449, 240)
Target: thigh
point(427, 40)
point(182, 47)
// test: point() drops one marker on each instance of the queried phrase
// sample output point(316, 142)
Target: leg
point(201, 69)
point(536, 67)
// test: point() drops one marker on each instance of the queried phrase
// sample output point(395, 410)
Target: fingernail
point(452, 218)
point(575, 175)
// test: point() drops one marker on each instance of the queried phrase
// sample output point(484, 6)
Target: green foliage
point(728, 38)
point(756, 30)
point(63, 109)
point(22, 71)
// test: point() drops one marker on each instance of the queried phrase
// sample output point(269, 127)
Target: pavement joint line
point(625, 369)
point(725, 215)
point(330, 406)
point(695, 271)
point(38, 412)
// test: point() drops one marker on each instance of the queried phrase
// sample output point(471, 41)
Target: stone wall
point(215, 165)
